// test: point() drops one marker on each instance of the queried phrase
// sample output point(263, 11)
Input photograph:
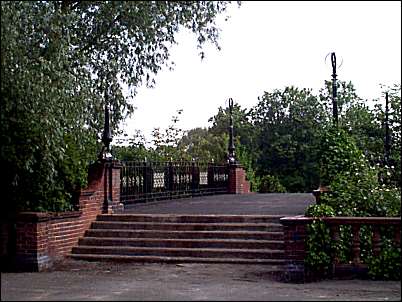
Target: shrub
point(387, 265)
point(318, 242)
point(355, 190)
point(270, 184)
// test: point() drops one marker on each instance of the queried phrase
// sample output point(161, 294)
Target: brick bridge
point(238, 227)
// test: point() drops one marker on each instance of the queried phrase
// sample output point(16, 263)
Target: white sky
point(268, 45)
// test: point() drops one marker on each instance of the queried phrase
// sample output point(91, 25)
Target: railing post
point(171, 178)
point(144, 180)
point(397, 238)
point(376, 240)
point(210, 176)
point(334, 228)
point(193, 178)
point(356, 244)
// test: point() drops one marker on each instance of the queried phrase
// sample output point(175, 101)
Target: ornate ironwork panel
point(145, 181)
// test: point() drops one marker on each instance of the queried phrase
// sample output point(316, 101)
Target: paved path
point(81, 280)
point(247, 204)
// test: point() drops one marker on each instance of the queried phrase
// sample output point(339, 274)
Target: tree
point(61, 62)
point(356, 118)
point(367, 125)
point(166, 141)
point(288, 124)
point(242, 127)
point(202, 145)
point(394, 116)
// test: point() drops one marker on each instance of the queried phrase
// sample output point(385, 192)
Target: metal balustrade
point(142, 181)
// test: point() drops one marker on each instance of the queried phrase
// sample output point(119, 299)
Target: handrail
point(362, 220)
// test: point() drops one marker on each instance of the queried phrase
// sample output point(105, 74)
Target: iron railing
point(142, 181)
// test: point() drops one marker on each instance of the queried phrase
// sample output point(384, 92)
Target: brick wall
point(42, 238)
point(237, 180)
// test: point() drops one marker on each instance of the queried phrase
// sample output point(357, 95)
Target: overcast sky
point(268, 45)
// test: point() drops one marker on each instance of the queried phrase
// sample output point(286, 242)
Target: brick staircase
point(253, 239)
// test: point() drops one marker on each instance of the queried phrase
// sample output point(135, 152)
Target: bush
point(355, 190)
point(387, 265)
point(270, 184)
point(318, 242)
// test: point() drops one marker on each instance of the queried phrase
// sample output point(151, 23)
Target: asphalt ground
point(73, 280)
point(93, 281)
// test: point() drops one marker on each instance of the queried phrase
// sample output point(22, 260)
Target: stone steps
point(273, 227)
point(162, 234)
point(184, 238)
point(129, 258)
point(180, 252)
point(174, 218)
point(183, 243)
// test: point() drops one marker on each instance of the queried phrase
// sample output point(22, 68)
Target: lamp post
point(387, 145)
point(334, 86)
point(231, 147)
point(334, 92)
point(107, 134)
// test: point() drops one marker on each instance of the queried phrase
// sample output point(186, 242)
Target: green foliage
point(270, 184)
point(355, 190)
point(166, 141)
point(245, 158)
point(366, 126)
point(318, 242)
point(388, 264)
point(61, 61)
point(173, 143)
point(394, 162)
point(339, 154)
point(287, 125)
point(202, 145)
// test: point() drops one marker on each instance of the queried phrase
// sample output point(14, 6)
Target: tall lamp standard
point(334, 92)
point(107, 134)
point(387, 145)
point(334, 88)
point(231, 147)
point(323, 189)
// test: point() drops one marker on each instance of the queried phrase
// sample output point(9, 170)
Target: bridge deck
point(247, 204)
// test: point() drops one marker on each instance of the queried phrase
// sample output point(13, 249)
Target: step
point(273, 227)
point(183, 243)
point(171, 218)
point(180, 252)
point(277, 263)
point(252, 235)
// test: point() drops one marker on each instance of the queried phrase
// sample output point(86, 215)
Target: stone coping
point(46, 216)
point(362, 220)
point(87, 192)
point(301, 219)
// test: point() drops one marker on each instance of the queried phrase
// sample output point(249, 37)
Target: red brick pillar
point(32, 250)
point(237, 180)
point(112, 187)
point(295, 250)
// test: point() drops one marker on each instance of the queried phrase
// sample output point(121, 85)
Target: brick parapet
point(42, 238)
